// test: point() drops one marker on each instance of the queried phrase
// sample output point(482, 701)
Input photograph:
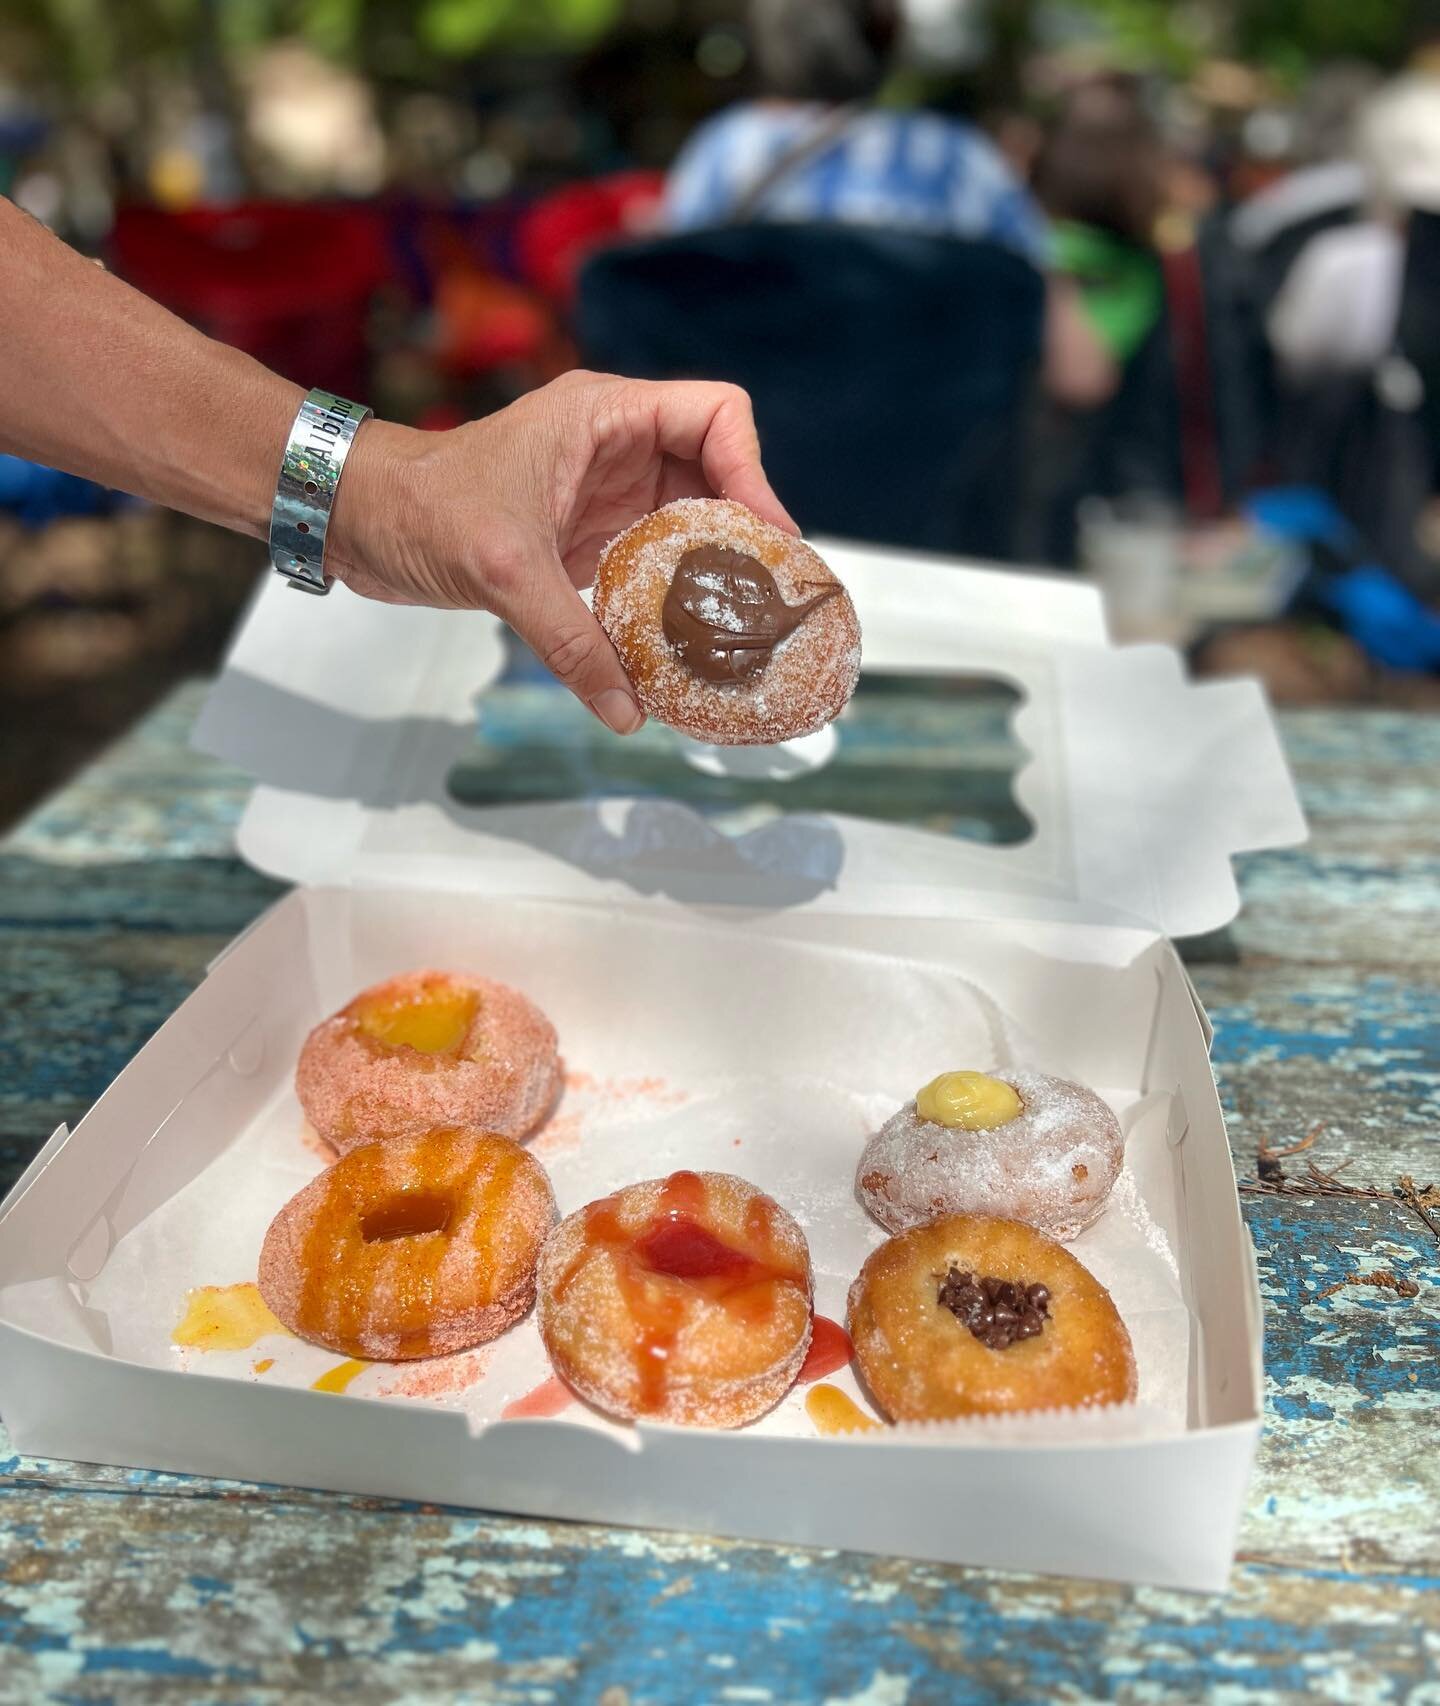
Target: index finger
point(714, 425)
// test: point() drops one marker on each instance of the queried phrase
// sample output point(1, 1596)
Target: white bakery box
point(749, 994)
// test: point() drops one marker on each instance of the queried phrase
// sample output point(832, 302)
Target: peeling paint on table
point(124, 1585)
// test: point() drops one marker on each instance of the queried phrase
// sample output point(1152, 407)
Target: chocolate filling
point(724, 615)
point(998, 1312)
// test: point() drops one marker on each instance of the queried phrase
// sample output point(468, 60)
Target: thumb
point(552, 619)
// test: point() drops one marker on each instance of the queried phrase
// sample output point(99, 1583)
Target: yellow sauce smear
point(264, 1365)
point(338, 1378)
point(224, 1318)
point(833, 1413)
point(436, 1021)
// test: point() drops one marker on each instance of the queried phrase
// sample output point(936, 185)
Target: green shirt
point(1121, 288)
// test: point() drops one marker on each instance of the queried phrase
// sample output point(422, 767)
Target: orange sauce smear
point(834, 1413)
point(338, 1378)
point(676, 1245)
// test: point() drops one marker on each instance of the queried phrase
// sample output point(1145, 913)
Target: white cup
point(1131, 550)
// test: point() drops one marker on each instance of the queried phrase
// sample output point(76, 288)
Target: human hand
point(510, 513)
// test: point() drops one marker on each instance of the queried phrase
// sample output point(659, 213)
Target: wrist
point(367, 540)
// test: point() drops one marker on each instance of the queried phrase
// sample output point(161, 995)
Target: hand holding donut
point(507, 514)
point(510, 513)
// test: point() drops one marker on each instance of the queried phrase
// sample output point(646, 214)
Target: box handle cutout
point(536, 745)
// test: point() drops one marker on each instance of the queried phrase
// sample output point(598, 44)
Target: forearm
point(506, 514)
point(100, 381)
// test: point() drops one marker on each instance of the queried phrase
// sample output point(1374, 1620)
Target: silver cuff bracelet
point(309, 476)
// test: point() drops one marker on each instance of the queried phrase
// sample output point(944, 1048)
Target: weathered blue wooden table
point(128, 1586)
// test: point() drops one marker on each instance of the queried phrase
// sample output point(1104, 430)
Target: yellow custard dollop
point(434, 1019)
point(225, 1318)
point(971, 1101)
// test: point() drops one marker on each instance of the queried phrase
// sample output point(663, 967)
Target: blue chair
point(889, 371)
point(35, 494)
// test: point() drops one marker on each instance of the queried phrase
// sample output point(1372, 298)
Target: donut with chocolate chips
point(1018, 1144)
point(972, 1315)
point(730, 630)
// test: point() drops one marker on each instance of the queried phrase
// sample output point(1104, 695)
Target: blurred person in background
point(1355, 329)
point(816, 148)
point(1326, 185)
point(1099, 176)
point(1338, 308)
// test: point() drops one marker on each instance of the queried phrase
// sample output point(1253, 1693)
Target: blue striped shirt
point(906, 170)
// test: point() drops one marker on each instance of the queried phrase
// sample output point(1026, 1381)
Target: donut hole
point(408, 1214)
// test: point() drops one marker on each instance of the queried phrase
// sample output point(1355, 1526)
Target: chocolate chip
point(999, 1312)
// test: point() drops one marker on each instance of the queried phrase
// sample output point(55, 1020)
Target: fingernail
point(617, 710)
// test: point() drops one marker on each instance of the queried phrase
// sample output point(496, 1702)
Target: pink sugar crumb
point(650, 1088)
point(311, 1141)
point(559, 1136)
point(441, 1377)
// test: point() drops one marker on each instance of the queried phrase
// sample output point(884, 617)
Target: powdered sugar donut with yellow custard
point(1022, 1145)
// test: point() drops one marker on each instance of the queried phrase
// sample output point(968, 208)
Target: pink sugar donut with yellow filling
point(427, 1049)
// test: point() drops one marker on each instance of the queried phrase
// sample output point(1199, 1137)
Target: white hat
point(1398, 139)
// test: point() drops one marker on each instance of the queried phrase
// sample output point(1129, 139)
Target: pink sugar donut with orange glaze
point(427, 1049)
point(417, 1247)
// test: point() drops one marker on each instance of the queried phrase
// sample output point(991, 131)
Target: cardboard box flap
point(1140, 785)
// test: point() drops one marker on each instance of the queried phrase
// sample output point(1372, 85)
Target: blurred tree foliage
point(1287, 37)
point(89, 42)
point(1293, 35)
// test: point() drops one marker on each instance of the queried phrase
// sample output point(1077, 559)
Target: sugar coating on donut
point(811, 673)
point(922, 1363)
point(504, 1077)
point(718, 1366)
point(332, 1276)
point(1052, 1167)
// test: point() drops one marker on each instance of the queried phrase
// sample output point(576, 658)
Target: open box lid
point(1140, 785)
